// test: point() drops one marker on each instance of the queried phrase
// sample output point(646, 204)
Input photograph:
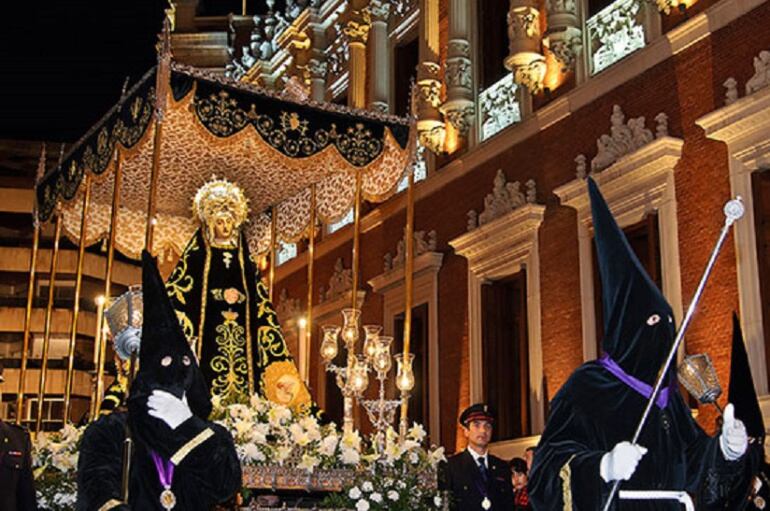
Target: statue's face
point(224, 226)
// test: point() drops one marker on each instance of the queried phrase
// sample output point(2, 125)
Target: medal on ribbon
point(486, 503)
point(165, 471)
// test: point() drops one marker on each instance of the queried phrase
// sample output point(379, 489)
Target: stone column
point(429, 121)
point(317, 65)
point(563, 36)
point(357, 31)
point(379, 82)
point(525, 59)
point(459, 107)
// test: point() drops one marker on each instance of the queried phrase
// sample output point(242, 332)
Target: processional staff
point(733, 210)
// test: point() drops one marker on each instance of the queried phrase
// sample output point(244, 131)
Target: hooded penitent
point(752, 489)
point(195, 460)
point(601, 403)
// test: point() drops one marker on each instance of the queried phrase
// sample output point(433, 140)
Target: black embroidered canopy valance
point(275, 147)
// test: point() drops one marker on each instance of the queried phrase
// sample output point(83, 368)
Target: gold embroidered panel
point(273, 148)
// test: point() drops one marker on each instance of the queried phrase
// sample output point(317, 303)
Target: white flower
point(298, 434)
point(362, 505)
point(352, 440)
point(376, 497)
point(388, 482)
point(282, 453)
point(417, 432)
point(349, 456)
point(252, 453)
point(242, 428)
point(257, 403)
point(259, 433)
point(437, 501)
point(408, 445)
point(400, 485)
point(393, 495)
point(414, 459)
point(354, 493)
point(239, 411)
point(308, 462)
point(367, 486)
point(278, 415)
point(328, 445)
point(310, 424)
point(437, 456)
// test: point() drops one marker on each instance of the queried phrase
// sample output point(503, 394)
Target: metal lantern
point(697, 374)
point(124, 317)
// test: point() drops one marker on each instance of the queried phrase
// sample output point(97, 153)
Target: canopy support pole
point(47, 331)
point(28, 319)
point(408, 284)
point(273, 250)
point(304, 361)
point(99, 340)
point(76, 305)
point(356, 241)
point(152, 205)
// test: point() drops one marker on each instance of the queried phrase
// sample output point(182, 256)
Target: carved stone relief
point(340, 283)
point(422, 243)
point(624, 138)
point(505, 197)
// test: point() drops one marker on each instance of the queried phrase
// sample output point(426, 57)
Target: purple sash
point(661, 401)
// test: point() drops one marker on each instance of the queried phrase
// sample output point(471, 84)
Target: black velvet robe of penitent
point(595, 410)
point(207, 470)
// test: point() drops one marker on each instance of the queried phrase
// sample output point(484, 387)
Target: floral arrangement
point(400, 476)
point(54, 463)
point(266, 433)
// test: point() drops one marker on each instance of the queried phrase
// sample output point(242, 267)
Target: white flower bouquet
point(55, 463)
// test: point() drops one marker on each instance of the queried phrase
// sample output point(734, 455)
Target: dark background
point(63, 62)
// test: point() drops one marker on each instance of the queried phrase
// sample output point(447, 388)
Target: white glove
point(620, 463)
point(734, 440)
point(168, 408)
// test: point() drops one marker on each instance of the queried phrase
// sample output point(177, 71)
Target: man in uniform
point(476, 479)
point(17, 487)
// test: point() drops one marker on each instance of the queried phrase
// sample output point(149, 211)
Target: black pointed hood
point(638, 321)
point(742, 393)
point(166, 361)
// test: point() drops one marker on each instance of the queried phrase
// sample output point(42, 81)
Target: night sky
point(63, 62)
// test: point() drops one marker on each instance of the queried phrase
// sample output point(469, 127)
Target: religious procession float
point(256, 169)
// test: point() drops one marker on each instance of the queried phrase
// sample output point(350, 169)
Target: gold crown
point(219, 196)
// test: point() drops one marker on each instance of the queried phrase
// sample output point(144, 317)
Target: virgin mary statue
point(223, 306)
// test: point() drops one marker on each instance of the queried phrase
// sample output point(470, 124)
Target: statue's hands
point(168, 408)
point(734, 440)
point(620, 463)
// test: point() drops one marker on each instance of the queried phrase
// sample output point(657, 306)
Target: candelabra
point(381, 411)
point(353, 378)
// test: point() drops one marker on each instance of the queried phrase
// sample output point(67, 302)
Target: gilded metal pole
point(273, 250)
point(152, 206)
point(76, 305)
point(310, 264)
point(48, 318)
point(356, 240)
point(99, 341)
point(27, 319)
point(408, 281)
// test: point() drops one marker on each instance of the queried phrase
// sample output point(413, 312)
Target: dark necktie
point(484, 471)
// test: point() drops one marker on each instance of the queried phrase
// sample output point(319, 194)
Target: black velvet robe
point(594, 411)
point(208, 475)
